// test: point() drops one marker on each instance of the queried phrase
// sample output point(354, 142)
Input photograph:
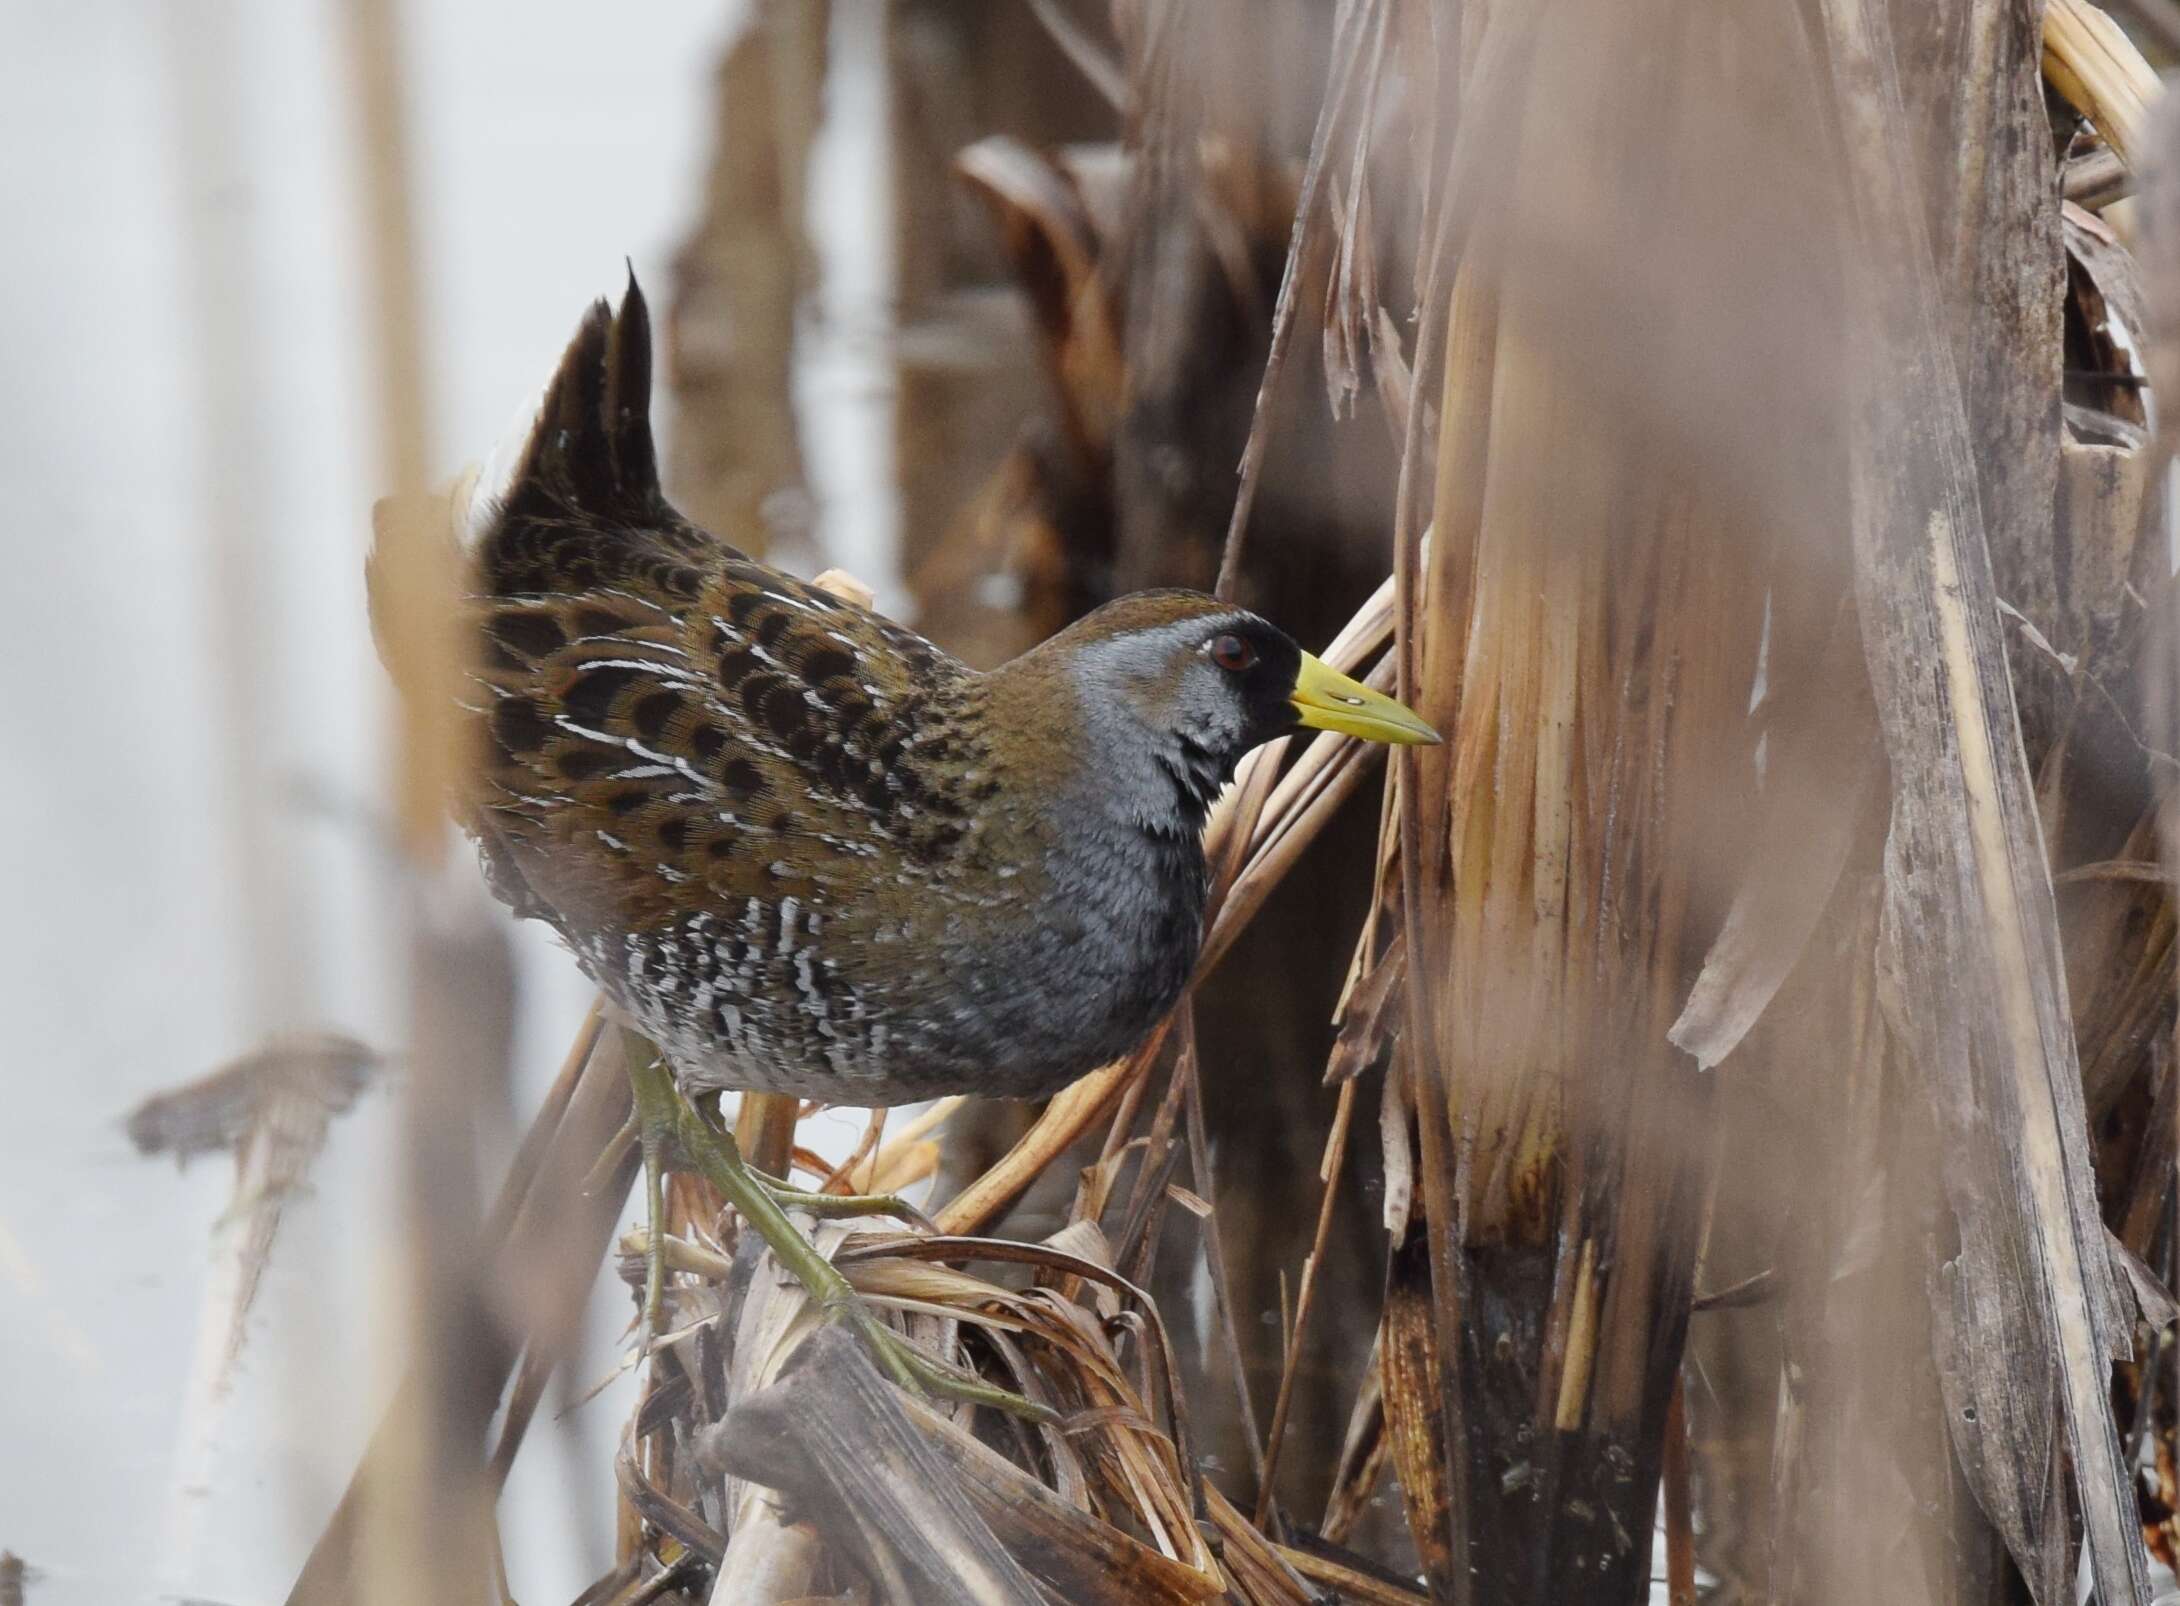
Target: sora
point(800, 848)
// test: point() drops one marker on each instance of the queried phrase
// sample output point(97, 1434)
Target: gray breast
point(760, 998)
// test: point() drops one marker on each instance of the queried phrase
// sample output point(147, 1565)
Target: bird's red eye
point(1232, 653)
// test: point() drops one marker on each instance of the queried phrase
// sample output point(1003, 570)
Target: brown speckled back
point(798, 845)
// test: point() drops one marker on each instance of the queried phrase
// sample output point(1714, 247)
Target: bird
point(799, 848)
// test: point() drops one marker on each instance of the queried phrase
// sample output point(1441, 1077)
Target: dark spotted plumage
point(799, 846)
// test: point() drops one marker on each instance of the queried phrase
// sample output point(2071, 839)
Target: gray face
point(1171, 709)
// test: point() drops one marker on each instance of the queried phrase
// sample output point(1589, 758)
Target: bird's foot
point(668, 1127)
point(918, 1372)
point(656, 1119)
point(839, 1206)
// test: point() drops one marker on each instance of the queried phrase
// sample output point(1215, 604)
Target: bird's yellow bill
point(1327, 700)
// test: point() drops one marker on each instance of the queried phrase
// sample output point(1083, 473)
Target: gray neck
point(1136, 856)
point(1159, 782)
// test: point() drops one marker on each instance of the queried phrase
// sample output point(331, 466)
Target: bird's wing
point(637, 756)
point(662, 722)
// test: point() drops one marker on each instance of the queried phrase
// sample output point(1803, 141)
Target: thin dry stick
point(540, 1362)
point(1151, 1172)
point(838, 1179)
point(1443, 1200)
point(1347, 57)
point(520, 1205)
point(530, 1152)
point(546, 1349)
point(1222, 1282)
point(2114, 870)
point(1066, 1118)
point(1123, 1122)
point(1335, 1159)
point(1348, 1583)
point(1098, 68)
point(1680, 1538)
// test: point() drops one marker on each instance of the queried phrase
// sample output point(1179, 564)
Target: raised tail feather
point(581, 505)
point(590, 450)
point(586, 474)
point(579, 509)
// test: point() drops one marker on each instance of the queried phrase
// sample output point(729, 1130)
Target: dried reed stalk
point(1584, 628)
point(427, 1523)
point(1972, 935)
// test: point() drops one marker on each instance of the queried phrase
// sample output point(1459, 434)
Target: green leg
point(839, 1206)
point(664, 1116)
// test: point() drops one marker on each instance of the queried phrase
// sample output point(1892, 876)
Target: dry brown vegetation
point(1728, 1087)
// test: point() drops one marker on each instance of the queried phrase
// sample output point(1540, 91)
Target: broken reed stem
point(2096, 68)
point(1329, 1171)
point(764, 1129)
point(1996, 1032)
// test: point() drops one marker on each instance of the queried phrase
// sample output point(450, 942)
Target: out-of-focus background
point(194, 824)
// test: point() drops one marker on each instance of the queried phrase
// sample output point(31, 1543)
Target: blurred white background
point(188, 397)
